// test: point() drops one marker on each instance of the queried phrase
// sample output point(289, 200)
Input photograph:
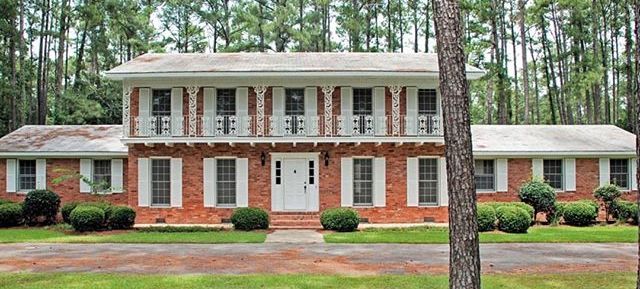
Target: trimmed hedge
point(87, 218)
point(513, 219)
point(579, 214)
point(41, 207)
point(247, 219)
point(624, 211)
point(608, 194)
point(179, 229)
point(539, 195)
point(340, 219)
point(486, 218)
point(121, 217)
point(521, 205)
point(66, 211)
point(104, 206)
point(2, 202)
point(10, 214)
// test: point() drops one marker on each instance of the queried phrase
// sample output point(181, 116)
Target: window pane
point(619, 172)
point(226, 182)
point(26, 175)
point(102, 174)
point(363, 182)
point(553, 173)
point(226, 101)
point(362, 101)
point(160, 182)
point(427, 103)
point(161, 102)
point(485, 175)
point(294, 101)
point(428, 181)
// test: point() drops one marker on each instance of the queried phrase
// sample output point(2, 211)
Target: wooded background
point(547, 61)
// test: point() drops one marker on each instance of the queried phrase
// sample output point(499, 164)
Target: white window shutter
point(144, 180)
point(346, 108)
point(412, 182)
point(604, 171)
point(209, 103)
point(242, 110)
point(346, 182)
point(278, 109)
point(85, 171)
point(537, 168)
point(502, 175)
point(570, 175)
point(379, 182)
point(144, 111)
point(176, 111)
point(117, 183)
point(176, 182)
point(209, 178)
point(444, 192)
point(311, 109)
point(242, 182)
point(411, 120)
point(379, 111)
point(12, 168)
point(41, 174)
point(634, 171)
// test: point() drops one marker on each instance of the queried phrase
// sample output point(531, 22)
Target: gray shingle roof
point(282, 62)
point(64, 140)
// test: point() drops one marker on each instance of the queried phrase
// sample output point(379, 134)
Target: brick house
point(295, 134)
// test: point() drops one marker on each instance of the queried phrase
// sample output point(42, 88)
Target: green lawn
point(42, 235)
point(106, 281)
point(536, 234)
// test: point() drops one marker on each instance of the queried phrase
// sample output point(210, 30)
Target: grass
point(536, 234)
point(503, 281)
point(44, 235)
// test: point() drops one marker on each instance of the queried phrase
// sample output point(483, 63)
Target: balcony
point(237, 128)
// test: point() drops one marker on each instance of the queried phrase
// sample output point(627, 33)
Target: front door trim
point(277, 190)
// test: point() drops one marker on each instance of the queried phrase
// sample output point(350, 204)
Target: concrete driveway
point(350, 259)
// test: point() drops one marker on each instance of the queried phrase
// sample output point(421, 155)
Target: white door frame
point(277, 192)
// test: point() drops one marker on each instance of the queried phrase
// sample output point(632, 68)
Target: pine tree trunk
point(464, 256)
point(525, 68)
point(631, 110)
point(62, 33)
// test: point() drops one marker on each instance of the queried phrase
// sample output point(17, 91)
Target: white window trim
point(630, 174)
point(438, 201)
point(150, 183)
point(93, 167)
point(354, 205)
point(19, 190)
point(495, 177)
point(215, 182)
point(564, 173)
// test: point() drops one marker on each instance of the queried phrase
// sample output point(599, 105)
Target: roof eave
point(71, 155)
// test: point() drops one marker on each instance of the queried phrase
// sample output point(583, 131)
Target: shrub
point(607, 194)
point(87, 218)
point(104, 206)
point(179, 229)
point(486, 218)
point(66, 211)
point(247, 219)
point(624, 210)
point(121, 217)
point(579, 214)
point(539, 195)
point(2, 202)
point(10, 214)
point(340, 219)
point(40, 207)
point(521, 205)
point(513, 219)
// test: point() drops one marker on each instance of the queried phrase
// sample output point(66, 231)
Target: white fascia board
point(71, 155)
point(538, 154)
point(279, 140)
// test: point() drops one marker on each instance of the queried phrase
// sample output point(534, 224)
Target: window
point(552, 170)
point(363, 110)
point(26, 175)
point(293, 108)
point(226, 107)
point(312, 173)
point(485, 175)
point(160, 182)
point(278, 172)
point(362, 182)
point(161, 102)
point(102, 174)
point(428, 181)
point(619, 172)
point(427, 102)
point(226, 182)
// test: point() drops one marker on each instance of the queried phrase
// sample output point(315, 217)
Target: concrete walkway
point(313, 258)
point(295, 236)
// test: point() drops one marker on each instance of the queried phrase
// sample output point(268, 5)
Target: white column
point(126, 110)
point(193, 108)
point(260, 91)
point(327, 90)
point(395, 108)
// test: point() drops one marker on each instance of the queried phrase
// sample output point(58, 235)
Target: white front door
point(295, 178)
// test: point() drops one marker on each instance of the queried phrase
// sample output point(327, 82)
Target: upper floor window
point(619, 172)
point(428, 181)
point(294, 101)
point(102, 174)
point(226, 182)
point(362, 101)
point(26, 175)
point(427, 101)
point(160, 182)
point(161, 102)
point(362, 182)
point(553, 173)
point(485, 175)
point(226, 101)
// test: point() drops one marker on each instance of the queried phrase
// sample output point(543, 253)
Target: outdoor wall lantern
point(326, 159)
point(263, 158)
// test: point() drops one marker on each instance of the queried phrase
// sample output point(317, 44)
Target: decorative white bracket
point(395, 108)
point(328, 108)
point(126, 110)
point(193, 107)
point(260, 91)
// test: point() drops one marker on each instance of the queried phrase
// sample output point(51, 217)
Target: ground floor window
point(428, 181)
point(619, 172)
point(552, 170)
point(362, 182)
point(226, 182)
point(485, 175)
point(26, 175)
point(102, 174)
point(160, 182)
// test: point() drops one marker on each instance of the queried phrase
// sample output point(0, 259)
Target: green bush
point(10, 214)
point(87, 218)
point(513, 219)
point(340, 219)
point(521, 205)
point(104, 206)
point(539, 195)
point(2, 202)
point(179, 229)
point(247, 219)
point(66, 211)
point(623, 211)
point(486, 218)
point(41, 207)
point(579, 214)
point(607, 194)
point(121, 217)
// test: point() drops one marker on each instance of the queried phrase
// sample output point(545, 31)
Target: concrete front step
point(295, 217)
point(299, 223)
point(295, 220)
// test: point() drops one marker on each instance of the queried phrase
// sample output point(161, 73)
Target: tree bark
point(637, 81)
point(464, 256)
point(525, 67)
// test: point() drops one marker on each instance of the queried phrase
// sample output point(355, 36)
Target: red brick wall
point(68, 190)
